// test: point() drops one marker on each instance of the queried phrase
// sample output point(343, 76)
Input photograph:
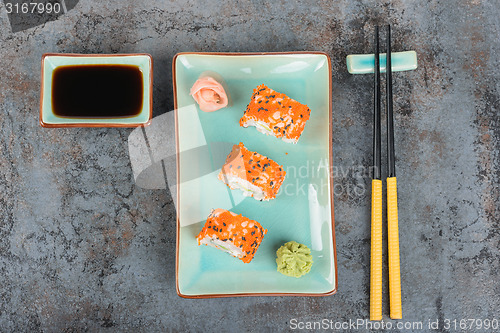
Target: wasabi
point(294, 259)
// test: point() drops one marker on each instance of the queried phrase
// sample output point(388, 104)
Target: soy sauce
point(97, 91)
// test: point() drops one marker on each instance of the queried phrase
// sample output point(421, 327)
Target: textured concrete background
point(83, 249)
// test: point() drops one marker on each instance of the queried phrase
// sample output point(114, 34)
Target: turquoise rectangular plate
point(303, 209)
point(51, 61)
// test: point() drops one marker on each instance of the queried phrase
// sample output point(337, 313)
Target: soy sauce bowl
point(59, 106)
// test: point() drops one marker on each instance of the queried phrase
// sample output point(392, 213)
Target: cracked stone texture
point(83, 249)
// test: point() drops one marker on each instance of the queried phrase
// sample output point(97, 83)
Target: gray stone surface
point(83, 249)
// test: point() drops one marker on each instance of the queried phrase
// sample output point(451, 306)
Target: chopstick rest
point(364, 63)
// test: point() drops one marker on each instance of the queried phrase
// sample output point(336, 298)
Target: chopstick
point(392, 198)
point(376, 217)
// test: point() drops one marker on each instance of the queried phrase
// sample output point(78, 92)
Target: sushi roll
point(275, 114)
point(232, 233)
point(256, 175)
